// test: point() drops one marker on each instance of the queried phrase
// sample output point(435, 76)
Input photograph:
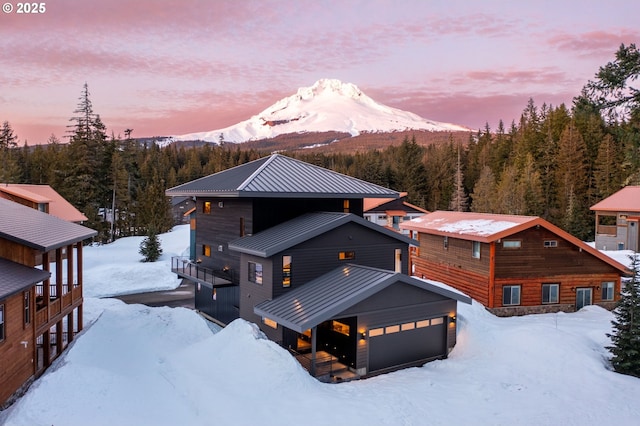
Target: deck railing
point(607, 230)
point(186, 268)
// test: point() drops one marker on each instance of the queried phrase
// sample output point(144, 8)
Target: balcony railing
point(188, 269)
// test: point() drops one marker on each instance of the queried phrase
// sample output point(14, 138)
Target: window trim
point(286, 270)
point(253, 275)
point(512, 244)
point(549, 301)
point(476, 253)
point(511, 288)
point(2, 323)
point(604, 286)
point(27, 308)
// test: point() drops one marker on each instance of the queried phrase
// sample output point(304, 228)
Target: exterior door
point(632, 235)
point(583, 298)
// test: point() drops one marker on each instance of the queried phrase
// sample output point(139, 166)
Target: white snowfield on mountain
point(328, 105)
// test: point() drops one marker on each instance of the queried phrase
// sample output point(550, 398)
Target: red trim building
point(513, 265)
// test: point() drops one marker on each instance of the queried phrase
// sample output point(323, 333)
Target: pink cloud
point(603, 44)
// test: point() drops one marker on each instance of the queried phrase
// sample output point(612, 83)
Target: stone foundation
point(542, 309)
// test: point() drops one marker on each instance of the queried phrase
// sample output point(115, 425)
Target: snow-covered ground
point(136, 365)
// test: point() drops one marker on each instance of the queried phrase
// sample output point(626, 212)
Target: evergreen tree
point(625, 337)
point(459, 199)
point(150, 247)
point(9, 168)
point(484, 193)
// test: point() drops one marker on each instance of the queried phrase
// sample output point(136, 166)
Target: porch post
point(313, 351)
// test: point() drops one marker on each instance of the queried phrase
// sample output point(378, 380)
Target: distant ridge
point(328, 106)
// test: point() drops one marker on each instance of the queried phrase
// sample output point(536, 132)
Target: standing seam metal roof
point(280, 176)
point(38, 230)
point(327, 296)
point(15, 277)
point(302, 228)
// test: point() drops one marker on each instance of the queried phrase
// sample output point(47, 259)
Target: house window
point(1, 323)
point(206, 207)
point(345, 206)
point(255, 272)
point(347, 255)
point(392, 329)
point(340, 327)
point(550, 243)
point(27, 308)
point(374, 332)
point(398, 260)
point(510, 295)
point(286, 271)
point(475, 249)
point(445, 243)
point(607, 290)
point(271, 323)
point(550, 293)
point(512, 244)
point(206, 250)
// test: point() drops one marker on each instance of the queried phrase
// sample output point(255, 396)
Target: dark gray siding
point(319, 255)
point(397, 304)
point(225, 306)
point(220, 227)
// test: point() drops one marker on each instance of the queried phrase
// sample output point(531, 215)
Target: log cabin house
point(40, 292)
point(513, 265)
point(617, 220)
point(273, 235)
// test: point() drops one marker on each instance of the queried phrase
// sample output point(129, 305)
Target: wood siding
point(17, 358)
point(529, 266)
point(533, 259)
point(17, 253)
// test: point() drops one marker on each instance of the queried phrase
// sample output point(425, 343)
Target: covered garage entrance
point(406, 343)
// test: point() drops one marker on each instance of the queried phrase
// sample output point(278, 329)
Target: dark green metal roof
point(280, 177)
point(334, 292)
point(295, 231)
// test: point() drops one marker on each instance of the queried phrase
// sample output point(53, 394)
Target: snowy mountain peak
point(327, 105)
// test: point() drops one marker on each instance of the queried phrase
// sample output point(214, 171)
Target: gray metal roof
point(38, 230)
point(15, 277)
point(302, 228)
point(281, 177)
point(334, 292)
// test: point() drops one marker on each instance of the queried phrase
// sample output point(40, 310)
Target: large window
point(550, 293)
point(286, 271)
point(475, 249)
point(206, 207)
point(510, 295)
point(607, 290)
point(255, 272)
point(1, 323)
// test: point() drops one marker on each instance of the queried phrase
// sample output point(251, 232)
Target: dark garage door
point(408, 342)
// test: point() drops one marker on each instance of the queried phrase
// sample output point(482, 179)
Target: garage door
point(407, 342)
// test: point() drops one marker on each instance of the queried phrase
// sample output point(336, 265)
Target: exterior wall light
point(363, 336)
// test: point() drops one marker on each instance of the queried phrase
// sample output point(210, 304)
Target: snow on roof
point(467, 224)
point(625, 200)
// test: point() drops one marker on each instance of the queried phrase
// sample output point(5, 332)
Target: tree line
point(554, 162)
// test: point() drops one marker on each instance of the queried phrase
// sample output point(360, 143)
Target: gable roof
point(15, 277)
point(332, 293)
point(302, 228)
point(38, 230)
point(280, 177)
point(625, 200)
point(58, 205)
point(487, 228)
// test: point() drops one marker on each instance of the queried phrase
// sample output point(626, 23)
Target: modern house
point(617, 218)
point(391, 212)
point(333, 285)
point(180, 209)
point(40, 292)
point(513, 265)
point(43, 198)
point(283, 243)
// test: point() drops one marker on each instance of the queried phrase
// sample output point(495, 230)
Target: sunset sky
point(169, 67)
